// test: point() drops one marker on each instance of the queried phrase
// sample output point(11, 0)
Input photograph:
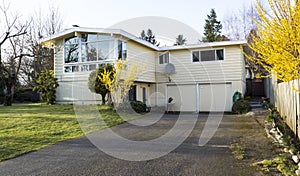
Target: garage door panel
point(215, 97)
point(185, 97)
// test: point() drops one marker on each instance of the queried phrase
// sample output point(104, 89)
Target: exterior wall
point(150, 89)
point(231, 69)
point(77, 82)
point(144, 58)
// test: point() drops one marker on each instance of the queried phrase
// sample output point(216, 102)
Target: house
point(200, 77)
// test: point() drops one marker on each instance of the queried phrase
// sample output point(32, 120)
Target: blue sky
point(105, 13)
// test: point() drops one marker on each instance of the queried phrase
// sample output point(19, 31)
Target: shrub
point(138, 106)
point(132, 106)
point(241, 106)
point(46, 86)
point(26, 95)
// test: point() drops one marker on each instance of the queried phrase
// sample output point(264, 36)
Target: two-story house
point(200, 77)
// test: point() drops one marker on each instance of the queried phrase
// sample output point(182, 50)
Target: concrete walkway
point(80, 157)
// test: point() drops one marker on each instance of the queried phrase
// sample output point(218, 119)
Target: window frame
point(80, 64)
point(161, 54)
point(209, 61)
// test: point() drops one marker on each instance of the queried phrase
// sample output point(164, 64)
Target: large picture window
point(208, 55)
point(96, 47)
point(86, 52)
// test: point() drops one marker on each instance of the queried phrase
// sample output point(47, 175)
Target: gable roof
point(123, 33)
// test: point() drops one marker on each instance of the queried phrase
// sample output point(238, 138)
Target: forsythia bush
point(277, 39)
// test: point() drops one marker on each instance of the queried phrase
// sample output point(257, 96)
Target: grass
point(281, 163)
point(25, 128)
point(238, 151)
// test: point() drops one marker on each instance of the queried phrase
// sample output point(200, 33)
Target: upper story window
point(208, 55)
point(122, 50)
point(71, 50)
point(163, 58)
point(84, 53)
point(96, 47)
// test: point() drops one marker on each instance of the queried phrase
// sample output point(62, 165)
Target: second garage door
point(215, 97)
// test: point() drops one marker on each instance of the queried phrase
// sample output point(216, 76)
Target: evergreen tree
point(46, 86)
point(212, 28)
point(150, 37)
point(180, 40)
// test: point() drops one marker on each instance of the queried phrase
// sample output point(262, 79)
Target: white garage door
point(184, 97)
point(215, 97)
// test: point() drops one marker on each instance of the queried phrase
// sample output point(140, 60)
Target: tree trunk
point(9, 94)
point(103, 98)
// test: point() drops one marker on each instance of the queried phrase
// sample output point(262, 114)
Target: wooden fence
point(287, 101)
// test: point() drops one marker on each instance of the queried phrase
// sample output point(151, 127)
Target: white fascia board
point(203, 45)
point(99, 30)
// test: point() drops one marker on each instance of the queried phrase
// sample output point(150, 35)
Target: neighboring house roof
point(121, 32)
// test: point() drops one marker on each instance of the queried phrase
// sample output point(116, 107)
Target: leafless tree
point(12, 50)
point(44, 24)
point(237, 26)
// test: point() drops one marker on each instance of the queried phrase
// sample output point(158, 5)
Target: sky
point(113, 13)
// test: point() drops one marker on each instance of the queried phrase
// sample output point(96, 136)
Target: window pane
point(89, 51)
point(106, 50)
point(196, 56)
point(84, 52)
point(119, 49)
point(84, 68)
point(105, 37)
point(75, 69)
point(166, 58)
point(92, 67)
point(161, 59)
point(220, 54)
point(122, 50)
point(89, 37)
point(208, 55)
point(71, 41)
point(71, 53)
point(70, 69)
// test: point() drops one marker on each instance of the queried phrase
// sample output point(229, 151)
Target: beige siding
point(144, 58)
point(232, 68)
point(59, 59)
point(150, 90)
point(76, 92)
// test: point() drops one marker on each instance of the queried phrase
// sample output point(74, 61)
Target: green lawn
point(25, 128)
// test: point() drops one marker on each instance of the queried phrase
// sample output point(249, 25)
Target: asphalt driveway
point(80, 157)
